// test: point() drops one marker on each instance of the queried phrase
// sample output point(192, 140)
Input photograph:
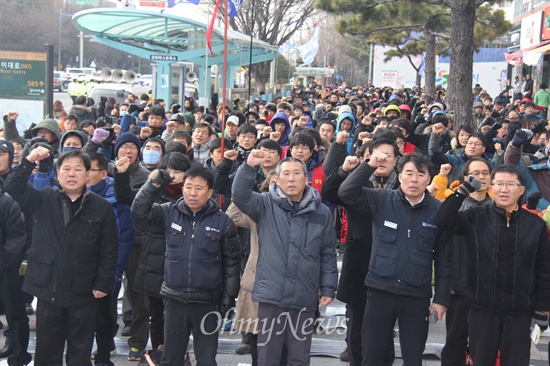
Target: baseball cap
point(7, 147)
point(233, 119)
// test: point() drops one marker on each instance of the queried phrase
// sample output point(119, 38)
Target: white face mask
point(123, 113)
point(151, 157)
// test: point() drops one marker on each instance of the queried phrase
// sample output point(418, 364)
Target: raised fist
point(350, 163)
point(256, 157)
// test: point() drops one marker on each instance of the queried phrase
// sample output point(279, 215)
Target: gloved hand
point(46, 164)
point(496, 126)
point(533, 200)
point(495, 114)
point(541, 319)
point(109, 140)
point(100, 135)
point(470, 184)
point(487, 121)
point(102, 101)
point(520, 137)
point(420, 119)
point(27, 134)
point(227, 304)
point(163, 178)
point(539, 126)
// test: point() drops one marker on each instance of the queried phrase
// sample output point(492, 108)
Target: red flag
point(211, 27)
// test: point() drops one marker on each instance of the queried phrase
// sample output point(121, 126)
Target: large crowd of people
point(202, 226)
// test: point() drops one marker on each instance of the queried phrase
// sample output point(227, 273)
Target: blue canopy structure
point(170, 41)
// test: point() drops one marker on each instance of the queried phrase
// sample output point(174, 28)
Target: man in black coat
point(351, 287)
point(508, 259)
point(12, 245)
point(201, 266)
point(72, 259)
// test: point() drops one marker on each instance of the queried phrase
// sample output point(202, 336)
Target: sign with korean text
point(26, 82)
point(23, 74)
point(389, 78)
point(163, 58)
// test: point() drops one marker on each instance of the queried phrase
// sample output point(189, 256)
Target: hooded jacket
point(201, 153)
point(50, 125)
point(81, 134)
point(277, 118)
point(349, 142)
point(297, 258)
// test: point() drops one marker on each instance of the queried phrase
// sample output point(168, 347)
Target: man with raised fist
point(73, 256)
point(508, 257)
point(297, 257)
point(405, 242)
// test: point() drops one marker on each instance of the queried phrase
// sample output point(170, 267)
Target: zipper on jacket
point(191, 253)
point(307, 224)
point(66, 215)
point(410, 219)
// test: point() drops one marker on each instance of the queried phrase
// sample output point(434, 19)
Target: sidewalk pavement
point(329, 344)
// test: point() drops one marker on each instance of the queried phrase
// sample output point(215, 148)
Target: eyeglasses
point(509, 185)
point(400, 143)
point(129, 147)
point(247, 137)
point(476, 144)
point(202, 132)
point(300, 148)
point(476, 173)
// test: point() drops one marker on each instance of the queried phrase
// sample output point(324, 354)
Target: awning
point(542, 49)
point(529, 56)
point(532, 58)
point(515, 58)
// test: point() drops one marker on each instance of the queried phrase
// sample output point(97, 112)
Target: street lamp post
point(59, 45)
point(81, 49)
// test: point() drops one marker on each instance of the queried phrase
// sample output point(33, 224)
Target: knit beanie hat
point(189, 117)
point(124, 138)
point(344, 109)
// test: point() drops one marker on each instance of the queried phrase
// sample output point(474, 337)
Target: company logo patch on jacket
point(176, 226)
point(208, 228)
point(390, 224)
point(425, 224)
